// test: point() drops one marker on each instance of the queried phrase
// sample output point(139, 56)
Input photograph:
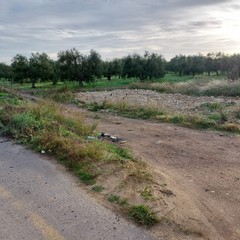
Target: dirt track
point(202, 168)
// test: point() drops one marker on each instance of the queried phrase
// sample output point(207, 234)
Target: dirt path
point(201, 168)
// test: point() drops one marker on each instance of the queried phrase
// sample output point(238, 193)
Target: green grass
point(103, 83)
point(98, 188)
point(42, 126)
point(147, 193)
point(98, 83)
point(143, 215)
point(117, 199)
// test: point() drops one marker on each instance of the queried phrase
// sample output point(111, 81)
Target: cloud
point(116, 28)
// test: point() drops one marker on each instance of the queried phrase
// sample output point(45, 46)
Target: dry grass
point(196, 87)
point(62, 133)
point(215, 116)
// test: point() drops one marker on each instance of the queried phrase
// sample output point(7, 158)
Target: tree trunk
point(33, 84)
point(109, 77)
point(80, 83)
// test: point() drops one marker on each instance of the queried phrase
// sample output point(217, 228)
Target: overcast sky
point(116, 28)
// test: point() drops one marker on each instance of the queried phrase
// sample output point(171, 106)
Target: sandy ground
point(202, 168)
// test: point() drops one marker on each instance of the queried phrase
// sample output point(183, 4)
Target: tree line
point(71, 65)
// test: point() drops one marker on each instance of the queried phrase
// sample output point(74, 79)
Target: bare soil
point(201, 168)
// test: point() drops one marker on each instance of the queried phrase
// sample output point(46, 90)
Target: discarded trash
point(110, 138)
point(43, 152)
point(91, 138)
point(105, 136)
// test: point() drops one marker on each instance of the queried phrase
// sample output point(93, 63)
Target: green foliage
point(20, 66)
point(177, 119)
point(24, 125)
point(117, 199)
point(44, 127)
point(147, 67)
point(119, 152)
point(147, 193)
point(85, 176)
point(6, 98)
point(37, 67)
point(74, 66)
point(6, 71)
point(143, 215)
point(98, 188)
point(62, 94)
point(237, 114)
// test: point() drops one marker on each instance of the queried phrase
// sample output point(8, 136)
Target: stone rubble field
point(172, 102)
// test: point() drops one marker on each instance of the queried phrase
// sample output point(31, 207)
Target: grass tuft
point(143, 215)
point(98, 188)
point(117, 199)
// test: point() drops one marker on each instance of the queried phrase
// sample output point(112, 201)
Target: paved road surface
point(39, 201)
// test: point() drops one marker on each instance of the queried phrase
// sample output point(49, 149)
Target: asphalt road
point(39, 200)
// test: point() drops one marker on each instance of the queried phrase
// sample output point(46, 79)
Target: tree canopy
point(71, 65)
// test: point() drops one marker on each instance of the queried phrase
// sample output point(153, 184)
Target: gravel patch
point(172, 102)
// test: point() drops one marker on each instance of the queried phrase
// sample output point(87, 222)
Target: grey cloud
point(111, 26)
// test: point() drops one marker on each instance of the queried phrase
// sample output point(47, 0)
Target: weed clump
point(143, 215)
point(98, 188)
point(117, 199)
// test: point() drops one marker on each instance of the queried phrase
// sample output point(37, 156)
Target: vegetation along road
point(40, 200)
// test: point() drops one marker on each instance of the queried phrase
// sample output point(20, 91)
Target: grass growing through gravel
point(216, 120)
point(194, 87)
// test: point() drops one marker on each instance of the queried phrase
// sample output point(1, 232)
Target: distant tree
point(74, 66)
point(234, 63)
point(112, 68)
point(20, 67)
point(145, 67)
point(94, 63)
point(225, 64)
point(178, 64)
point(41, 68)
point(195, 65)
point(212, 62)
point(128, 67)
point(6, 71)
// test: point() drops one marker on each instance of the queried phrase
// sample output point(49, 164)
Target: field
point(183, 134)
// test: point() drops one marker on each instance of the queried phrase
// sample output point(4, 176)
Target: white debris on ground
point(172, 102)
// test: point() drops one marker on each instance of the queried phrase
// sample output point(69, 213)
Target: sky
point(116, 28)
